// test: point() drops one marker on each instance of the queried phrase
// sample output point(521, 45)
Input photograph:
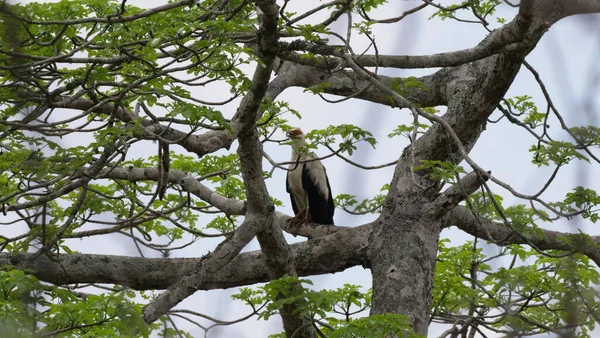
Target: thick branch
point(347, 83)
point(507, 39)
point(573, 7)
point(329, 254)
point(473, 91)
point(551, 11)
point(227, 205)
point(494, 44)
point(308, 230)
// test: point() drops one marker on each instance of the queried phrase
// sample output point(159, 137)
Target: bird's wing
point(316, 185)
point(289, 190)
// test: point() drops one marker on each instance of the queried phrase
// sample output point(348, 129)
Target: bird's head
point(296, 135)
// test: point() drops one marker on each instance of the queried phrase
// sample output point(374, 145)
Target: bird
point(308, 185)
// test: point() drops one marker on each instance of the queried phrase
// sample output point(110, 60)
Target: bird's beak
point(288, 135)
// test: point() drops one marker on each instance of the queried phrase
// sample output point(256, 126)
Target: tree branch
point(500, 234)
point(187, 182)
point(455, 194)
point(488, 47)
point(329, 254)
point(347, 83)
point(308, 230)
point(200, 145)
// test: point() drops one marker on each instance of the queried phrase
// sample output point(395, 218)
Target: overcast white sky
point(566, 58)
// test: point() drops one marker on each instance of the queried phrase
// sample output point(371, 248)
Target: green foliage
point(523, 106)
point(223, 224)
point(316, 59)
point(318, 89)
point(481, 8)
point(405, 86)
point(337, 308)
point(26, 159)
point(159, 60)
point(132, 60)
point(582, 201)
point(209, 164)
point(349, 133)
point(482, 204)
point(377, 326)
point(440, 170)
point(525, 110)
point(368, 205)
point(232, 187)
point(364, 27)
point(532, 295)
point(586, 135)
point(407, 130)
point(29, 308)
point(583, 198)
point(522, 218)
point(368, 5)
point(195, 114)
point(274, 117)
point(311, 32)
point(557, 152)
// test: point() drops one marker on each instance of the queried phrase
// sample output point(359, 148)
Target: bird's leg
point(296, 217)
point(301, 218)
point(306, 218)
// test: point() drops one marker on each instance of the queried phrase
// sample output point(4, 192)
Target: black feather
point(321, 207)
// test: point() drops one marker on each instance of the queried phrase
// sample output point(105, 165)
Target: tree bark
point(403, 253)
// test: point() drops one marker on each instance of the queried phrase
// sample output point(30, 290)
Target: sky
point(566, 59)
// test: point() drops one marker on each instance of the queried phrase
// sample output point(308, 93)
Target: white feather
point(318, 174)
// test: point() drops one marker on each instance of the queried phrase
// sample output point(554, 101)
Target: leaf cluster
point(350, 135)
point(530, 295)
point(29, 308)
point(446, 171)
point(372, 205)
point(333, 312)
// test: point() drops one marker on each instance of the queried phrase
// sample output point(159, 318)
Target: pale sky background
point(566, 59)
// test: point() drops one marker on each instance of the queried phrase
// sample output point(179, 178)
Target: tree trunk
point(404, 240)
point(404, 248)
point(403, 262)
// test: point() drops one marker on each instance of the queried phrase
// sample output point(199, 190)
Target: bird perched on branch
point(308, 185)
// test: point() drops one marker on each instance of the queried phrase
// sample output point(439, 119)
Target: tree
point(117, 79)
